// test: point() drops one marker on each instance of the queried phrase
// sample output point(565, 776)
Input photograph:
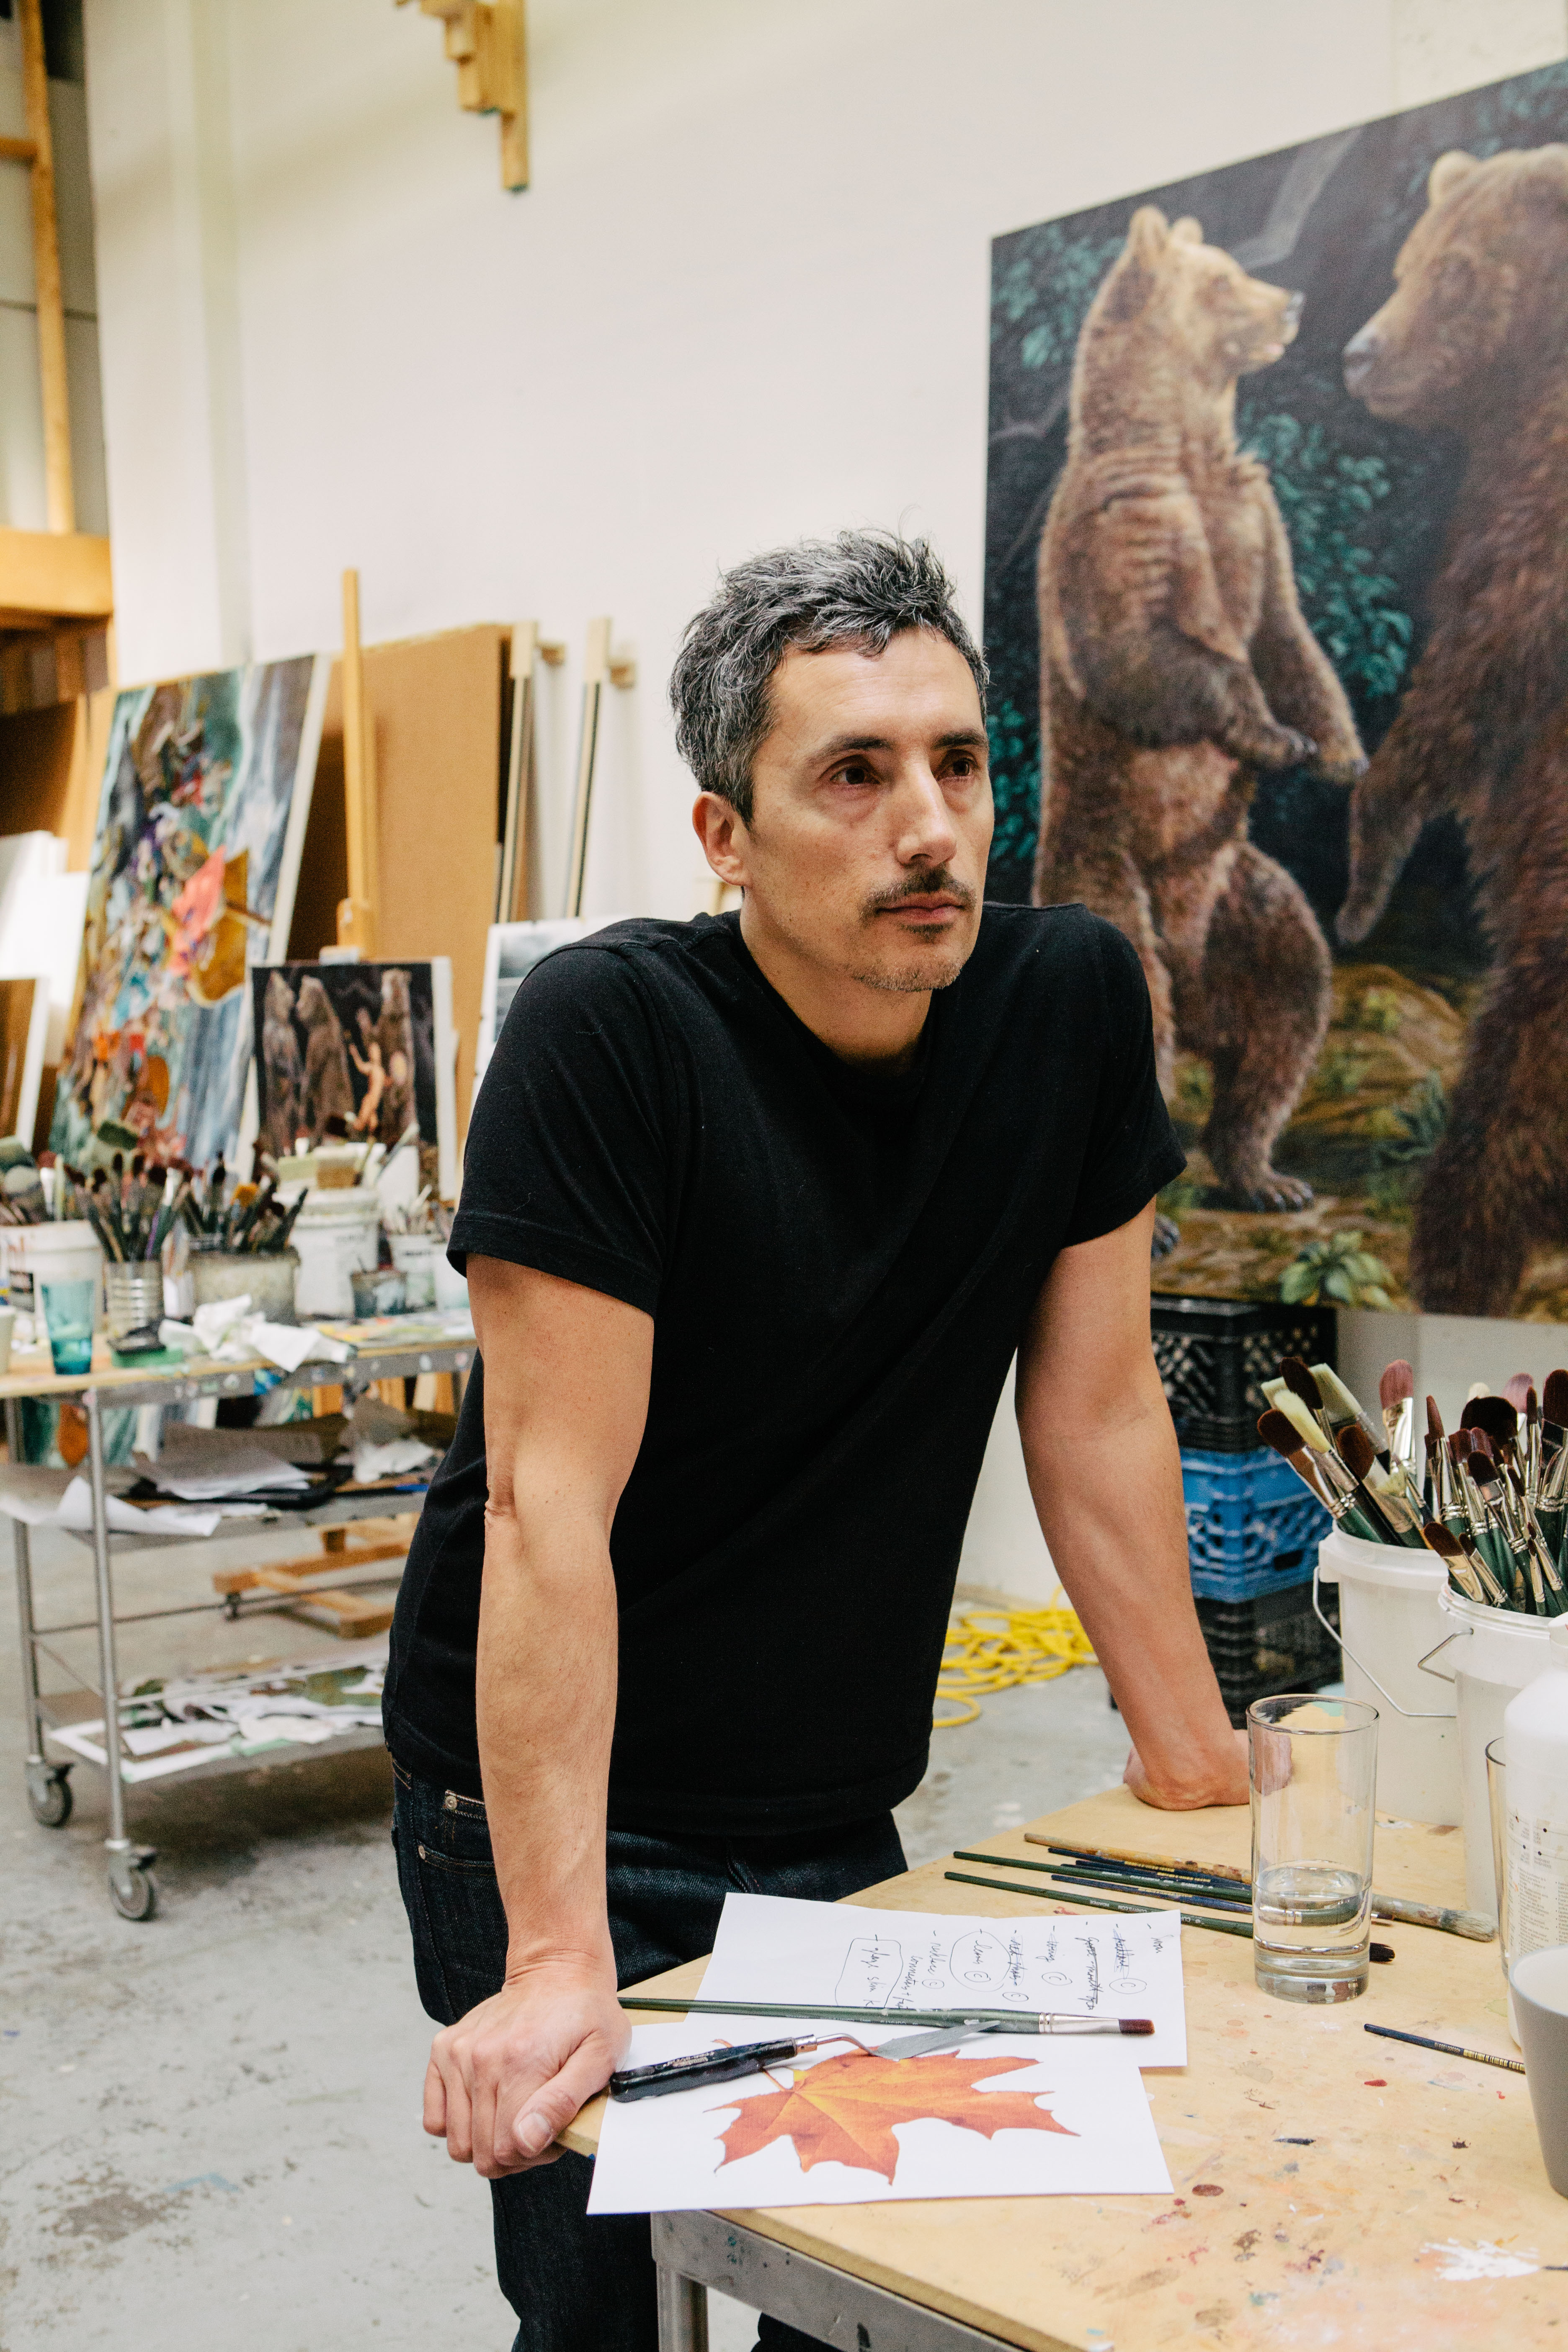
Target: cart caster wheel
point(49, 1794)
point(133, 1889)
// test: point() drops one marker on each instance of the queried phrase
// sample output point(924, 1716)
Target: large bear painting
point(1277, 608)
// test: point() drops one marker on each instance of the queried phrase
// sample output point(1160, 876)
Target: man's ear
point(719, 827)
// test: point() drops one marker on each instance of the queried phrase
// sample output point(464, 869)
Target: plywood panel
point(437, 705)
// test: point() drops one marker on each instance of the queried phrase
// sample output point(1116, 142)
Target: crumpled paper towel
point(228, 1331)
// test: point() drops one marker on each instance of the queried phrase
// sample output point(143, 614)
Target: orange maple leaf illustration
point(843, 2110)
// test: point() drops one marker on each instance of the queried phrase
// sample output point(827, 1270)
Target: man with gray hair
point(757, 1211)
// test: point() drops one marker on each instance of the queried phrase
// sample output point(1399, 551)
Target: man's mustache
point(922, 885)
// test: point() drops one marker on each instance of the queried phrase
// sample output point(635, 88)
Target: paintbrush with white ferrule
point(1514, 1565)
point(1396, 1396)
point(1275, 1429)
point(1532, 1446)
point(1467, 1570)
point(1354, 1448)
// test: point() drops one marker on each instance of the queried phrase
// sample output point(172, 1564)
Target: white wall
point(745, 298)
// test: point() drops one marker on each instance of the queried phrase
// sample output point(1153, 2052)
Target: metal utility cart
point(131, 1886)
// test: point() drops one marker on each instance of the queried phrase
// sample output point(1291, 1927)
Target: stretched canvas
point(511, 951)
point(201, 820)
point(366, 1046)
point(1278, 632)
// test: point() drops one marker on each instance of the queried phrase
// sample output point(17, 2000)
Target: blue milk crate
point(1252, 1527)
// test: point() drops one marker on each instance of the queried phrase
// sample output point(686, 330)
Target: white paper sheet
point(738, 2145)
point(773, 1947)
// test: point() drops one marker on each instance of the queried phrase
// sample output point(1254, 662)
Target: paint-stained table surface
point(1332, 2189)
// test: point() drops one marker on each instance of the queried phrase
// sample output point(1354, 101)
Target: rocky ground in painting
point(1372, 1109)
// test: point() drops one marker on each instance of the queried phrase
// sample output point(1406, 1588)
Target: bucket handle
point(1411, 1714)
point(1463, 1634)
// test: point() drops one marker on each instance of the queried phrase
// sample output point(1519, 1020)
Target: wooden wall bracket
point(485, 40)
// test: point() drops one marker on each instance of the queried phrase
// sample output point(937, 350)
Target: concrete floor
point(209, 2124)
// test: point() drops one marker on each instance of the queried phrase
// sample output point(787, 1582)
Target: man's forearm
point(1110, 1509)
point(546, 1705)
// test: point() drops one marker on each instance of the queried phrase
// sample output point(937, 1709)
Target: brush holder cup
point(268, 1277)
point(133, 1297)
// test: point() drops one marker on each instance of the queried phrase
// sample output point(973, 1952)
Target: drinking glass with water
point(1313, 1764)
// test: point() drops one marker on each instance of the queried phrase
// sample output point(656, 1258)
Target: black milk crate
point(1214, 1355)
point(1269, 1644)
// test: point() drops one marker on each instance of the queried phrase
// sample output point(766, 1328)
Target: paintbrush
point(1357, 1452)
point(1049, 2021)
point(1054, 1894)
point(1298, 1379)
point(1307, 1425)
point(1396, 1397)
point(1466, 1567)
point(1228, 1885)
point(1342, 1406)
point(1277, 1430)
point(1448, 2049)
point(1119, 1877)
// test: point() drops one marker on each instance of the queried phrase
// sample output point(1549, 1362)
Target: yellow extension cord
point(992, 1649)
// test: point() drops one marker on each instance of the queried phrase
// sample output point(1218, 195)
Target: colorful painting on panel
point(206, 791)
point(1277, 615)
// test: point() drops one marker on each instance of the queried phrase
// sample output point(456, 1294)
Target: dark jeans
point(576, 2285)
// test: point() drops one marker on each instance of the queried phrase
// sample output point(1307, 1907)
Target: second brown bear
point(1175, 666)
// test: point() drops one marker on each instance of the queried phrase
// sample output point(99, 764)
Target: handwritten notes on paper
point(771, 1947)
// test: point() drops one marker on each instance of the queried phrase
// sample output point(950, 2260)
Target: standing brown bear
point(1175, 665)
point(1475, 340)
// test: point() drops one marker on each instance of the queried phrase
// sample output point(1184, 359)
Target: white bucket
point(415, 1256)
point(1391, 1617)
point(1493, 1652)
point(336, 1234)
point(64, 1250)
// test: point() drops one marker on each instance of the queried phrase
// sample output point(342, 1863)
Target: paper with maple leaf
point(779, 1948)
point(997, 2118)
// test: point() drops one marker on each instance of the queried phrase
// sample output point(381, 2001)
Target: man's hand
point(508, 2078)
point(1225, 1787)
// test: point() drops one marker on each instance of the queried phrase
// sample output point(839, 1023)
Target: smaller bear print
point(358, 1052)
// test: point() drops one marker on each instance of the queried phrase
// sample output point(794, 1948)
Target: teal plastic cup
point(67, 1317)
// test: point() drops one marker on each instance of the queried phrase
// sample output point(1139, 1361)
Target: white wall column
point(160, 125)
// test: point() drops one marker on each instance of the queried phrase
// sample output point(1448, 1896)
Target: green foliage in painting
point(1324, 493)
point(1046, 286)
point(1335, 1272)
point(1015, 783)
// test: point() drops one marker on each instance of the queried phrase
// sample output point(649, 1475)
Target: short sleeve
point(1132, 1150)
point(567, 1162)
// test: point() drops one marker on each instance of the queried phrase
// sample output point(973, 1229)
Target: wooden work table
point(1319, 2172)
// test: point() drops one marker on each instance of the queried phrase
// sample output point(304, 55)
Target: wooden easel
point(37, 151)
point(600, 668)
point(356, 913)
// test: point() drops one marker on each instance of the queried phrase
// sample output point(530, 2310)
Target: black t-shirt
point(839, 1265)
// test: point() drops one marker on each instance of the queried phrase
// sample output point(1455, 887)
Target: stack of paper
point(1005, 2114)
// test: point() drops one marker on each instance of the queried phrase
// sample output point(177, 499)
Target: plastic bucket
point(336, 1234)
point(1491, 1654)
point(65, 1250)
point(1391, 1618)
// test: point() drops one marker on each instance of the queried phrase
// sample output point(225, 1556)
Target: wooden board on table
point(1320, 2172)
point(438, 705)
